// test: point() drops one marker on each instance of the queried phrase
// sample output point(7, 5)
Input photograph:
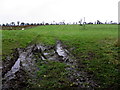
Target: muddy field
point(61, 56)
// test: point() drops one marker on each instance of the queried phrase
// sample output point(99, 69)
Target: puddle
point(15, 68)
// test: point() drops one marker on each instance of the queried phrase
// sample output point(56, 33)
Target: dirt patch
point(25, 67)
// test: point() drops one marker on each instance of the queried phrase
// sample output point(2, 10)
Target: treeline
point(22, 25)
point(31, 24)
point(99, 22)
point(54, 23)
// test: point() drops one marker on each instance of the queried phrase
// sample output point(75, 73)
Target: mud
point(22, 65)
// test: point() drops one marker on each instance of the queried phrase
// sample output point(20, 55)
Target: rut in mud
point(23, 66)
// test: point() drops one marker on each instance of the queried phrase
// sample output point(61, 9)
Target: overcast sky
point(58, 10)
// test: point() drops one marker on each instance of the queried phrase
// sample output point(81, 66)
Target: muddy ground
point(21, 66)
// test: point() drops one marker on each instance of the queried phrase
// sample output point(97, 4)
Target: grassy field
point(96, 46)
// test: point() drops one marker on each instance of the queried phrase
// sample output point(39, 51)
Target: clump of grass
point(117, 43)
point(104, 65)
point(52, 75)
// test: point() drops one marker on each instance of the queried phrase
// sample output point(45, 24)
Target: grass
point(0, 42)
point(52, 75)
point(95, 47)
point(48, 34)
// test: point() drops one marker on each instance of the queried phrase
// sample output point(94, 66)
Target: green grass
point(52, 75)
point(0, 43)
point(96, 47)
point(72, 34)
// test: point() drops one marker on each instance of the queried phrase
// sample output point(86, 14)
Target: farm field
point(95, 49)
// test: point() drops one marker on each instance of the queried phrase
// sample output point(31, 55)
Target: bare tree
point(111, 22)
point(18, 22)
point(13, 23)
point(80, 22)
point(84, 23)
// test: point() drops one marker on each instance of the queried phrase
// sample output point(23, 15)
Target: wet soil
point(22, 65)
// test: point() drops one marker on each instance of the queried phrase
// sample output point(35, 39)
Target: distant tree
point(27, 24)
point(18, 22)
point(57, 23)
point(3, 24)
point(73, 22)
point(13, 23)
point(35, 24)
point(31, 24)
point(114, 23)
point(98, 22)
point(41, 24)
point(7, 24)
point(60, 23)
point(51, 24)
point(46, 23)
point(80, 22)
point(22, 24)
point(63, 22)
point(111, 22)
point(38, 24)
point(90, 23)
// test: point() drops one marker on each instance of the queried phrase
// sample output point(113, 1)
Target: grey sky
point(58, 10)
